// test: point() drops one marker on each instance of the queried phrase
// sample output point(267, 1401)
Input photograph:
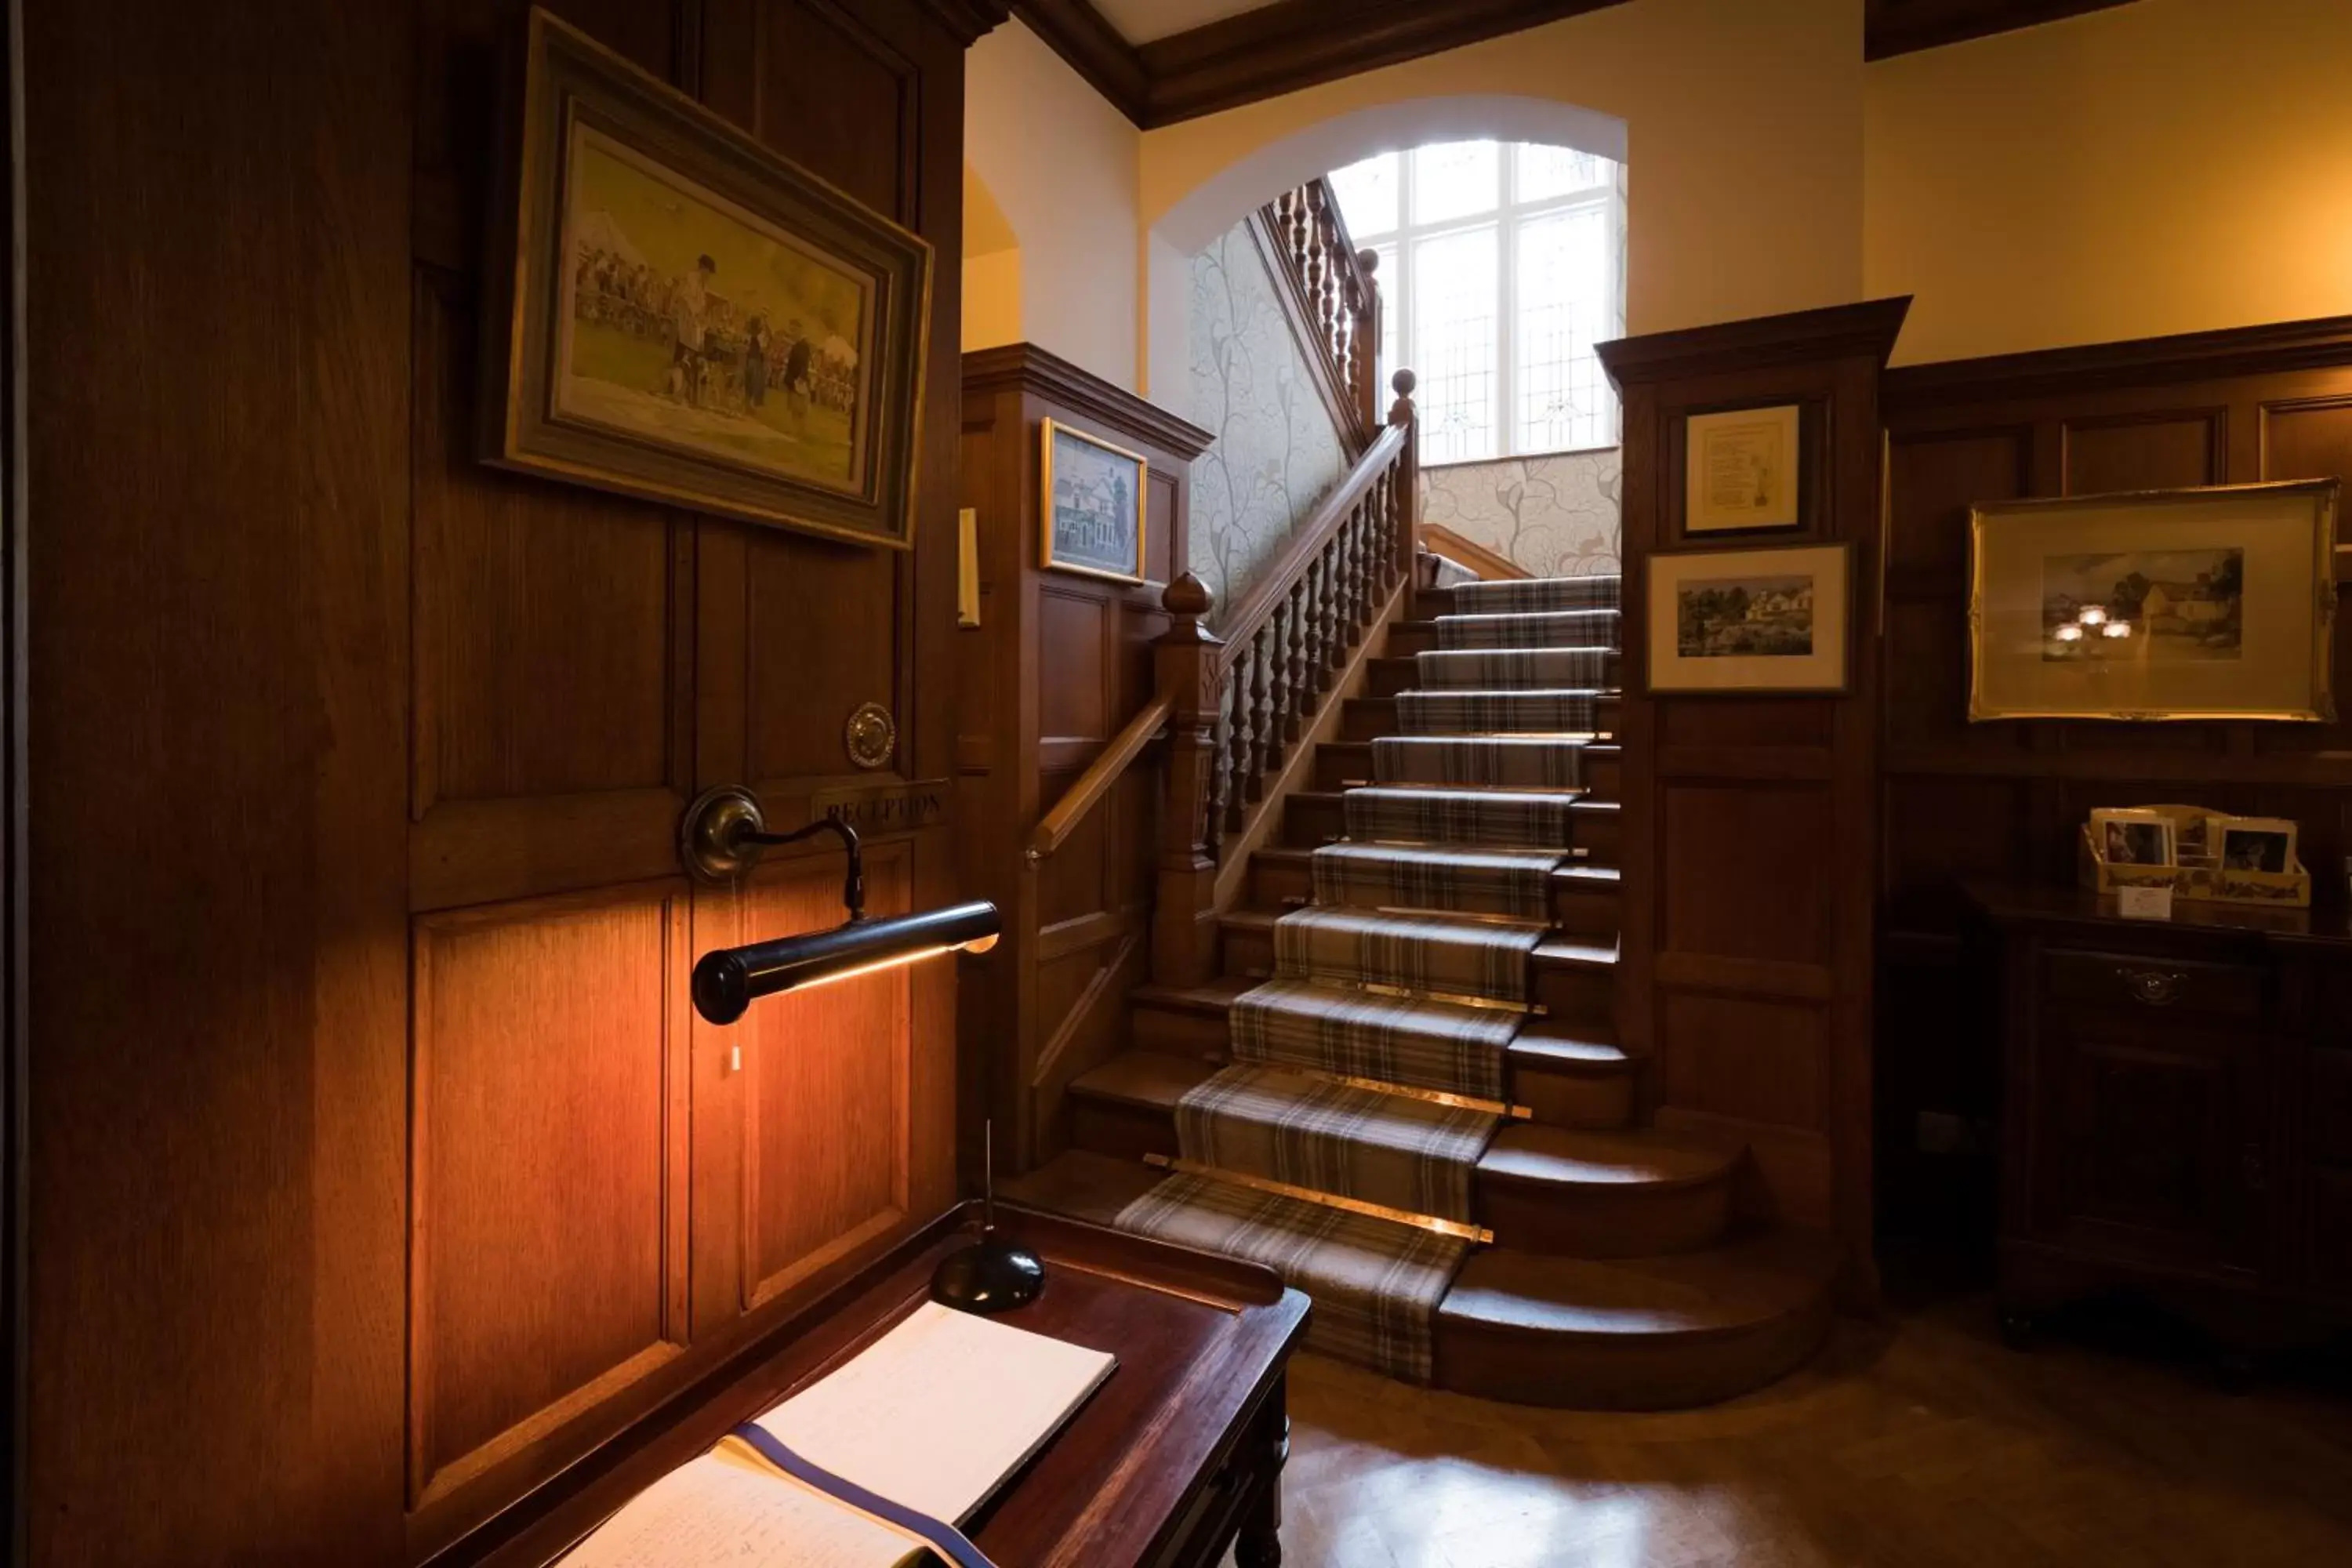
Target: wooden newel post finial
point(1400, 411)
point(1186, 599)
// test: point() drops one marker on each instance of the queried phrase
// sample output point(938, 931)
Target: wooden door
point(609, 1193)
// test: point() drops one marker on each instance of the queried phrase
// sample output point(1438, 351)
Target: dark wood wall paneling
point(2005, 800)
point(379, 1172)
point(1750, 832)
point(1058, 665)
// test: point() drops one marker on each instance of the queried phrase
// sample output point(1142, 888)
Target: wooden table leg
point(1260, 1545)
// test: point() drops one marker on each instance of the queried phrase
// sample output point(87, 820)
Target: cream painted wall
point(2166, 166)
point(1742, 124)
point(1063, 165)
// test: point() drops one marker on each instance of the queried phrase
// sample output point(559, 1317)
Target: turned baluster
point(1360, 586)
point(1338, 612)
point(1241, 746)
point(1343, 554)
point(1318, 624)
point(1280, 728)
point(1293, 669)
point(1221, 769)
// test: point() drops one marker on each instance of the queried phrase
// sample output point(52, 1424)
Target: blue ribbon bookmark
point(944, 1538)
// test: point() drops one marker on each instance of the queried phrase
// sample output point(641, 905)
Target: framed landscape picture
point(1741, 470)
point(2196, 603)
point(1094, 505)
point(1767, 619)
point(677, 313)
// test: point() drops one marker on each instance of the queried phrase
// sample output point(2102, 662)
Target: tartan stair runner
point(1462, 878)
point(1375, 1283)
point(1411, 967)
point(1385, 1149)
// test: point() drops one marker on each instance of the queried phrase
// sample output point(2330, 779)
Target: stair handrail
point(1087, 790)
point(1334, 286)
point(1244, 697)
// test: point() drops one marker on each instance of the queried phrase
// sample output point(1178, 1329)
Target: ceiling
point(1141, 21)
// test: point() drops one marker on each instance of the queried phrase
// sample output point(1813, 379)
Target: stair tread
point(1567, 952)
point(1586, 803)
point(1472, 792)
point(1152, 1080)
point(1376, 850)
point(1738, 1285)
point(1578, 871)
point(1560, 1156)
point(1083, 1184)
point(1569, 1053)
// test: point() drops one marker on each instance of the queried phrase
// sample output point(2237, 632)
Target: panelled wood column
point(1750, 821)
point(1057, 666)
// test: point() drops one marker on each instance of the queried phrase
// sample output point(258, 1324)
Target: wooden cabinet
point(2176, 1108)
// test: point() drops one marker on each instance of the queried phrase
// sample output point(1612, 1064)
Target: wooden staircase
point(1615, 1270)
point(1619, 1277)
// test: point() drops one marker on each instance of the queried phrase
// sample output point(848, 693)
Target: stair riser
point(1339, 765)
point(1629, 1221)
point(1178, 1033)
point(1599, 834)
point(1248, 952)
point(1566, 1221)
point(1311, 820)
point(1593, 1101)
point(1279, 884)
point(1411, 637)
point(1665, 1372)
point(1575, 996)
point(1400, 673)
point(1604, 776)
point(1370, 718)
point(1579, 910)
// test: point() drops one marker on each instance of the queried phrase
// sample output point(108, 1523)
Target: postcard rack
point(2198, 878)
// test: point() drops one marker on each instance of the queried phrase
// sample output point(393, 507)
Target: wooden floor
point(1918, 1443)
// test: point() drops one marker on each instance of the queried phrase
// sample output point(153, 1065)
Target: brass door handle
point(2153, 987)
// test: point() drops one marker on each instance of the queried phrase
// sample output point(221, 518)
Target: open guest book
point(933, 1416)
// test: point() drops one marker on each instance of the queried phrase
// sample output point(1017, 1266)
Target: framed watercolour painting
point(1094, 506)
point(1739, 469)
point(677, 313)
point(1769, 619)
point(2197, 604)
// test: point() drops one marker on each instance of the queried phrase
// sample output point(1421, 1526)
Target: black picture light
point(724, 833)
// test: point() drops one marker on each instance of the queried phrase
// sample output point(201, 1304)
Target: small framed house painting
point(1769, 619)
point(2197, 604)
point(674, 311)
point(1094, 505)
point(1741, 470)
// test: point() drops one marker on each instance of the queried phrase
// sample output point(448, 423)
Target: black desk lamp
point(722, 837)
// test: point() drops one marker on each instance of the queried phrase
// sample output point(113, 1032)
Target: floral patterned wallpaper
point(1555, 516)
point(1276, 452)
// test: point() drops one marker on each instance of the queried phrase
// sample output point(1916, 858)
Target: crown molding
point(1835, 331)
point(1893, 27)
point(1026, 367)
point(1084, 37)
point(969, 19)
point(2273, 346)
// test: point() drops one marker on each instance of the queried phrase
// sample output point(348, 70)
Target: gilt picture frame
point(674, 311)
point(2217, 603)
point(1772, 618)
point(1092, 495)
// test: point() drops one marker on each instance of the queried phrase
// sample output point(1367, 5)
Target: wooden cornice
point(1085, 38)
point(1903, 27)
point(969, 19)
point(1835, 332)
point(1028, 367)
point(2270, 348)
point(1272, 50)
point(1295, 43)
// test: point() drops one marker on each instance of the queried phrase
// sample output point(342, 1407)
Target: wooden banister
point(1307, 540)
point(1241, 709)
point(1332, 297)
point(1088, 791)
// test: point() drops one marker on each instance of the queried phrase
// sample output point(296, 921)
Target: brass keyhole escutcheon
point(871, 736)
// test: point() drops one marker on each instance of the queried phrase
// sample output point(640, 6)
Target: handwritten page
point(728, 1509)
point(938, 1412)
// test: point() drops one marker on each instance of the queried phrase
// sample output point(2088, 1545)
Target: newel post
point(1407, 474)
point(1188, 664)
point(1368, 339)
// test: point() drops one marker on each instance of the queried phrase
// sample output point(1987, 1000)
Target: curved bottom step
point(1648, 1333)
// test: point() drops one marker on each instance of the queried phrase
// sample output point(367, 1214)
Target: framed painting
point(677, 313)
point(1741, 470)
point(2196, 603)
point(1093, 504)
point(1768, 619)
